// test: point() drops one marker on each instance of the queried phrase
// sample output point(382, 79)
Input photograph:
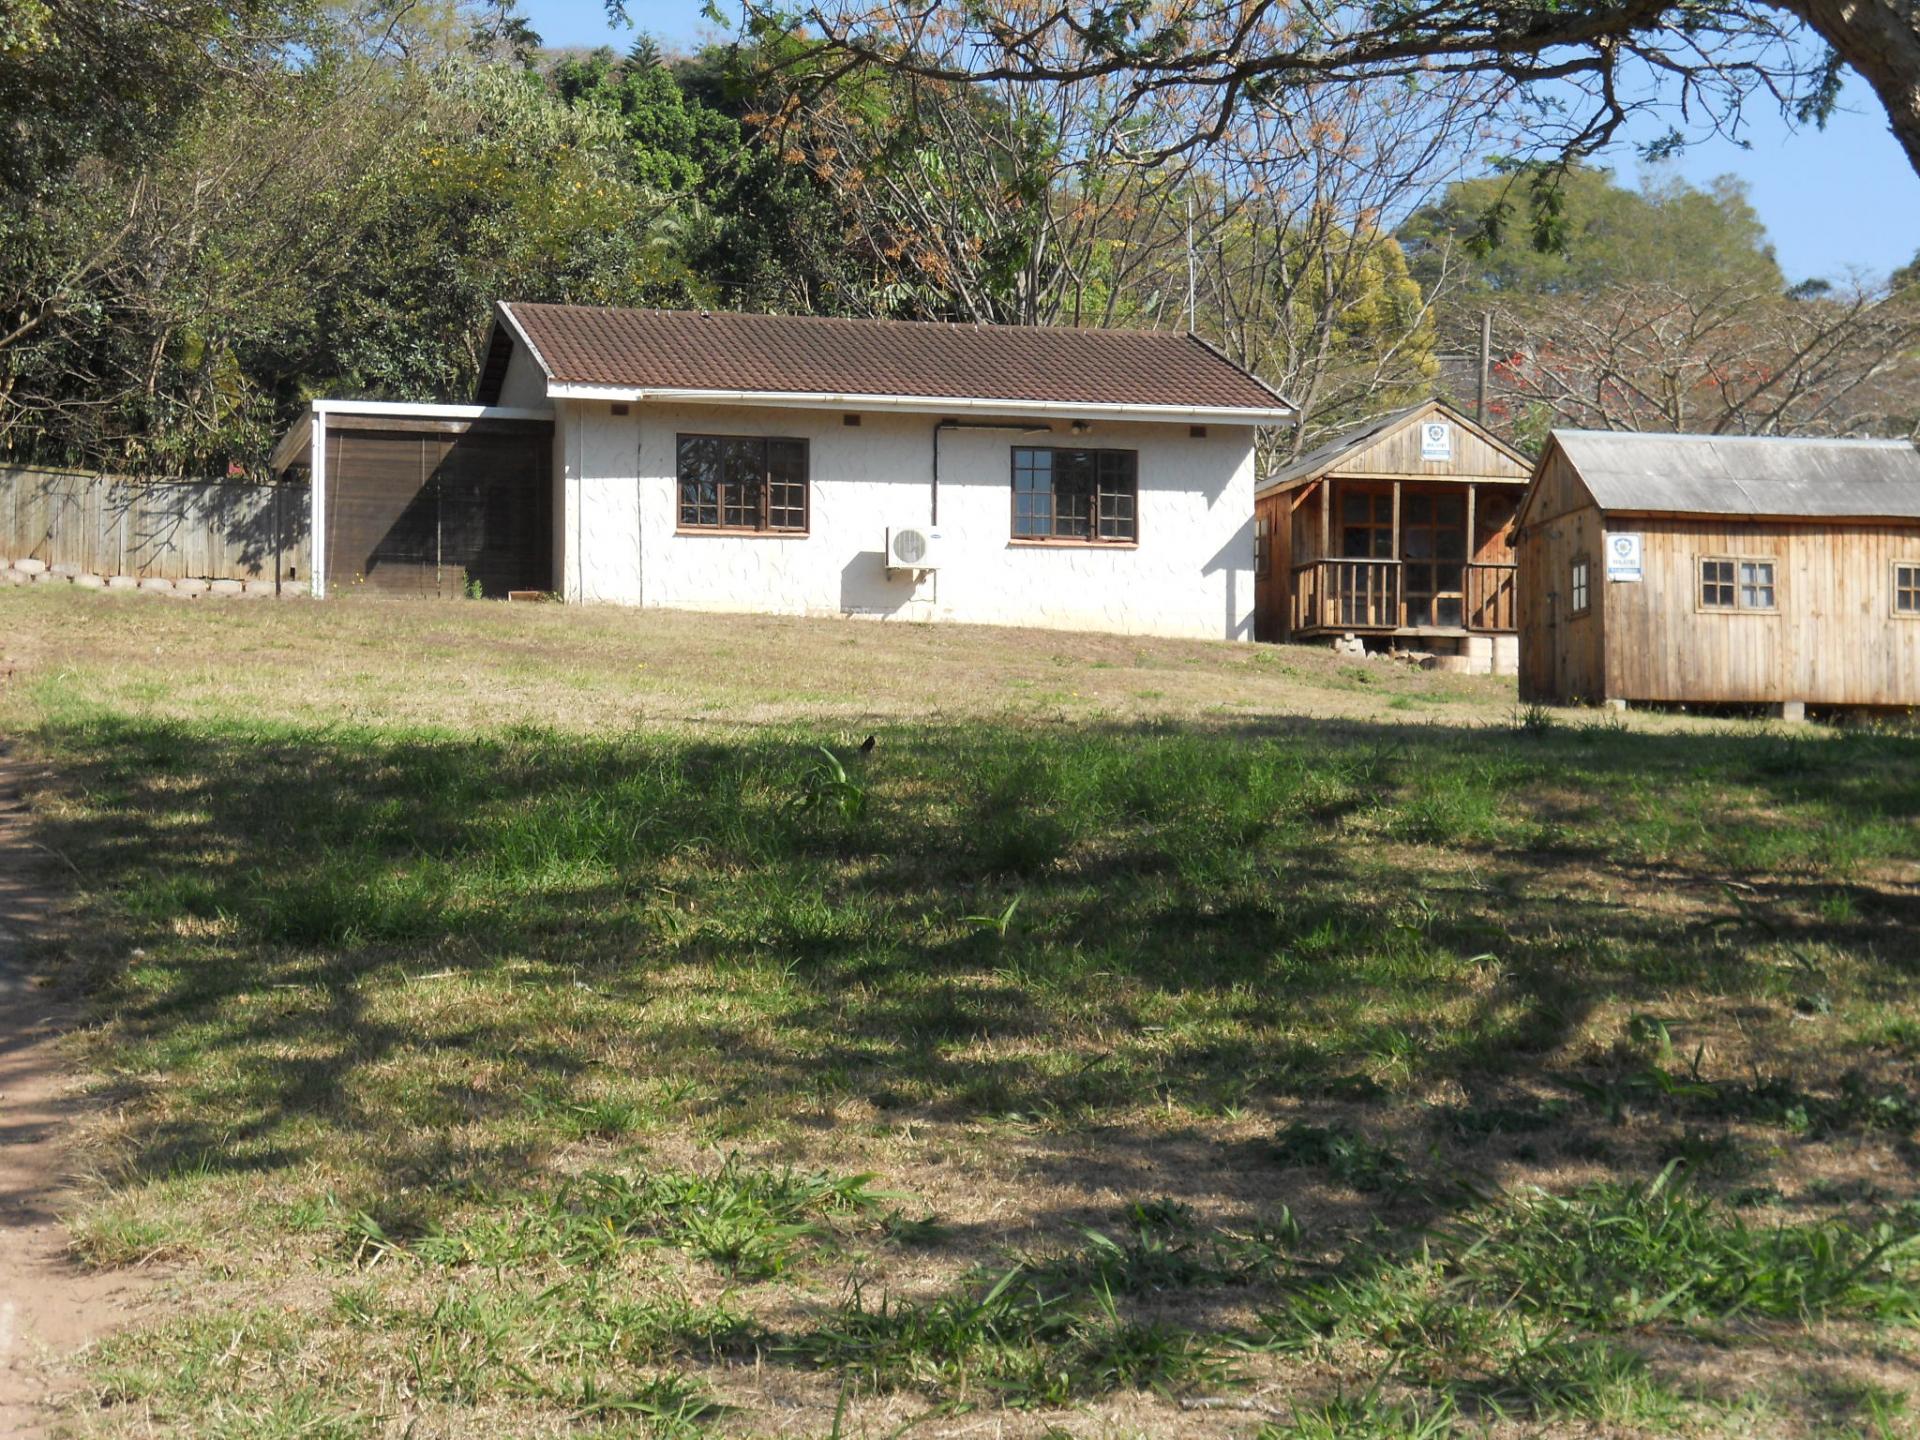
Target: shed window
point(1262, 546)
point(1089, 496)
point(743, 483)
point(1582, 590)
point(1906, 587)
point(1732, 583)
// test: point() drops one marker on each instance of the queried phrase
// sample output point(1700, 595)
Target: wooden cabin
point(1395, 530)
point(1715, 569)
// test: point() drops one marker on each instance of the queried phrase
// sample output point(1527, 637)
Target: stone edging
point(38, 572)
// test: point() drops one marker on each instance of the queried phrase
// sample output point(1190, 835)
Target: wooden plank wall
point(174, 529)
point(1834, 639)
point(1397, 454)
point(1563, 657)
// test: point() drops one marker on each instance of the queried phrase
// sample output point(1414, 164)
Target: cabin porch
point(1400, 559)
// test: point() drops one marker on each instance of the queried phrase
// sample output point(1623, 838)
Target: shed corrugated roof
point(1745, 474)
point(808, 355)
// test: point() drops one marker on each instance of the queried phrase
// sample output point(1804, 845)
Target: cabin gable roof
point(1367, 449)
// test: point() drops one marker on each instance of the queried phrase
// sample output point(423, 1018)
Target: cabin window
point(743, 484)
point(1366, 525)
point(1733, 583)
point(1906, 587)
point(1262, 546)
point(1083, 496)
point(1581, 586)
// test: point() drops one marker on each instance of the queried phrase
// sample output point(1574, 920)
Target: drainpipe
point(1018, 427)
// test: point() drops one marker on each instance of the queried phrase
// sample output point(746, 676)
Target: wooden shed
point(426, 500)
point(1396, 529)
point(1716, 569)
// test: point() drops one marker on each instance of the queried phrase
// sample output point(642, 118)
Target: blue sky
point(1832, 201)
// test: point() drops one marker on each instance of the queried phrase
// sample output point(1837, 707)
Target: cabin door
point(1433, 542)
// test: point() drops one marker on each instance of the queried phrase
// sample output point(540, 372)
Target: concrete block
point(1794, 712)
point(1506, 648)
point(190, 586)
point(47, 577)
point(156, 585)
point(30, 566)
point(1505, 667)
point(1477, 647)
point(89, 582)
point(227, 587)
point(1451, 664)
point(258, 587)
point(1478, 664)
point(65, 567)
point(293, 587)
point(122, 582)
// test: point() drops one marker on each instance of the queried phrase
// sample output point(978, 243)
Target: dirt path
point(49, 1308)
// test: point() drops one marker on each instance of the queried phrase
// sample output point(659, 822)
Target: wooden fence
point(174, 529)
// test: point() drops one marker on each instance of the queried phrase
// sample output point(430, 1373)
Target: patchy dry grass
point(550, 1023)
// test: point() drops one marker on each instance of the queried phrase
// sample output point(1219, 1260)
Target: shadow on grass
point(418, 946)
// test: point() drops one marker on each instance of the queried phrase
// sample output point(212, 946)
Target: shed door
point(429, 511)
point(383, 522)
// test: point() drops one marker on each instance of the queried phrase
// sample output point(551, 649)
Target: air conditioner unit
point(913, 547)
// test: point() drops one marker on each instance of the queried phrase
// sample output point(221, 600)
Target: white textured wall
point(1190, 575)
point(524, 384)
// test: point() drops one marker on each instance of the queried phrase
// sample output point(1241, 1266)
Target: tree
point(1575, 71)
point(1606, 235)
point(1726, 358)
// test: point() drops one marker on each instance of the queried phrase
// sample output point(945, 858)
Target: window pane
point(1383, 544)
point(1355, 542)
point(1383, 510)
point(1906, 589)
point(1355, 509)
point(1450, 510)
point(1446, 610)
point(786, 485)
point(1451, 544)
point(1417, 543)
point(699, 471)
point(1417, 510)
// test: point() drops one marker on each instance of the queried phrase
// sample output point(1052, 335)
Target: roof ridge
point(877, 320)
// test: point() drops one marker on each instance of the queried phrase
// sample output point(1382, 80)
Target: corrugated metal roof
point(1745, 474)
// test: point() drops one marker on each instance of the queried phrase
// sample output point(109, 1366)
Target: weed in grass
point(1347, 1156)
point(1024, 1340)
point(1367, 1416)
point(1617, 1255)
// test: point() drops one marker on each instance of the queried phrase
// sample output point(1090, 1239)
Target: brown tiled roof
point(802, 354)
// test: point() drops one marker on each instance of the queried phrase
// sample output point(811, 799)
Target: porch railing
point(1346, 595)
point(1366, 595)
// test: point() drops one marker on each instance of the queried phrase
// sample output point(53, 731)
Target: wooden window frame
point(1580, 587)
point(1739, 605)
point(1893, 594)
point(1262, 545)
point(1093, 539)
point(765, 529)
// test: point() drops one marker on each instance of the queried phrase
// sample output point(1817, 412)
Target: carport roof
point(590, 351)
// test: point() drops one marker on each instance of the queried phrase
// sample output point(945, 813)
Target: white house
point(1080, 479)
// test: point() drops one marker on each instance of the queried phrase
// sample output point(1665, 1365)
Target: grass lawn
point(520, 1021)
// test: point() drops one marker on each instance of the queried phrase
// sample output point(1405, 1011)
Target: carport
point(426, 500)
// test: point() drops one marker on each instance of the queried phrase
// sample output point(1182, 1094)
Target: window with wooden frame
point(743, 484)
point(1581, 586)
point(1262, 546)
point(1735, 582)
point(1906, 589)
point(1076, 496)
